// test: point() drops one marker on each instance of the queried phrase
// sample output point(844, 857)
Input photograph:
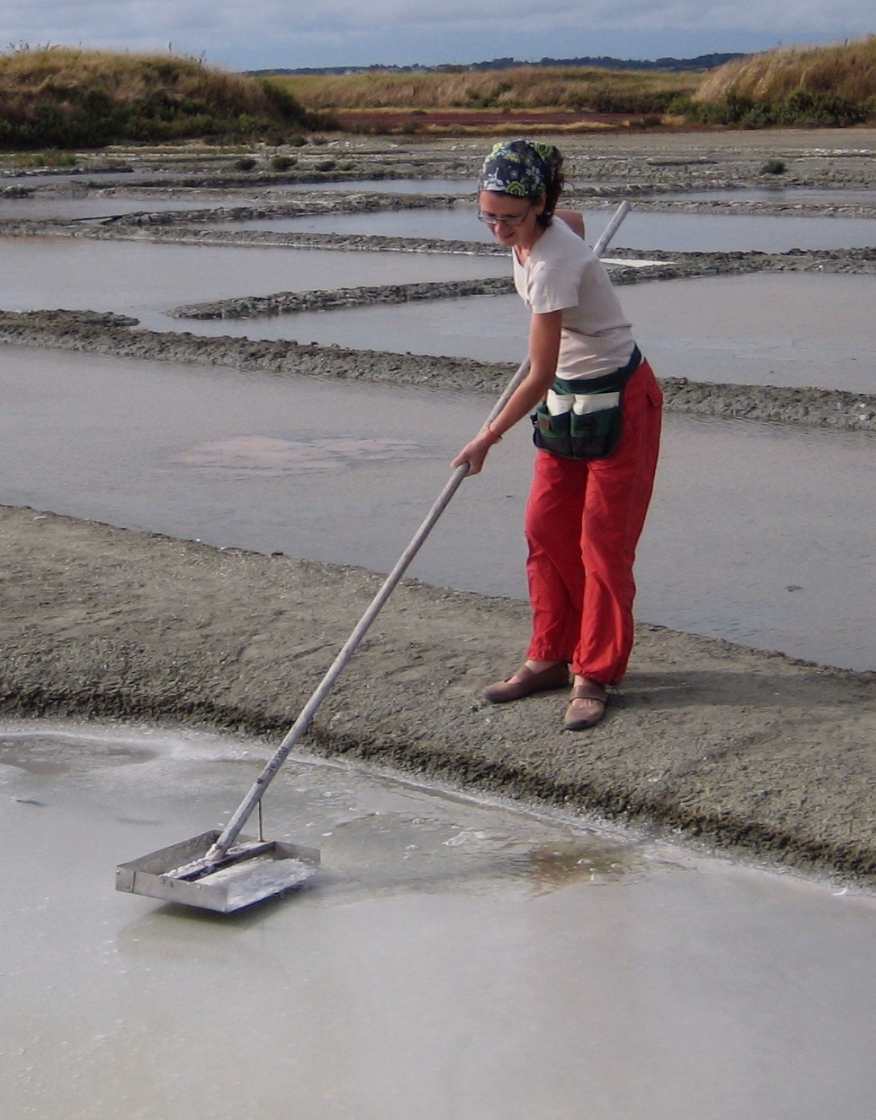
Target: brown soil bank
point(753, 751)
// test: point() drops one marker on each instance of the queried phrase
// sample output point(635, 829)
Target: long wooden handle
point(257, 790)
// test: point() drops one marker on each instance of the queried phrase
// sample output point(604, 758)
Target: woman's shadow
point(686, 688)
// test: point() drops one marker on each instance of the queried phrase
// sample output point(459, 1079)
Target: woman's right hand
point(475, 451)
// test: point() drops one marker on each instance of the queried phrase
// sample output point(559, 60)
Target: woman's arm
point(573, 219)
point(544, 350)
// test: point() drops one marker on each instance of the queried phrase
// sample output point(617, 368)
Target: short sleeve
point(553, 288)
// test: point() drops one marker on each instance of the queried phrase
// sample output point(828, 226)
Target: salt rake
point(224, 871)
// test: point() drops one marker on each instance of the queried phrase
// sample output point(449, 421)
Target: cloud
point(271, 32)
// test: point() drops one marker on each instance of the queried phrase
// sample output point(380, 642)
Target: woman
point(597, 427)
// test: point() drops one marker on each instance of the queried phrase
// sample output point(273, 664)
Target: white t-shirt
point(562, 274)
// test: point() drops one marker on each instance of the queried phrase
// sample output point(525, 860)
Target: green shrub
point(296, 141)
point(609, 99)
point(325, 165)
point(245, 163)
point(819, 110)
point(283, 163)
point(759, 116)
point(774, 167)
point(680, 105)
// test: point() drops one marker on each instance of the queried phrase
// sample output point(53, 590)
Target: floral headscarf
point(521, 168)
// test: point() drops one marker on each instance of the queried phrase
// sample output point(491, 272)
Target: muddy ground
point(749, 750)
point(756, 752)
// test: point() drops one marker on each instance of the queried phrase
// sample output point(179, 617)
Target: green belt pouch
point(590, 435)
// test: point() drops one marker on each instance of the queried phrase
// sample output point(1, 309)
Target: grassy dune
point(816, 86)
point(64, 98)
point(794, 86)
point(68, 98)
point(526, 87)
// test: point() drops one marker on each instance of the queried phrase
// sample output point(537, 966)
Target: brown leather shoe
point(530, 681)
point(577, 719)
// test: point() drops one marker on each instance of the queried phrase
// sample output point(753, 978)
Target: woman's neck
point(523, 250)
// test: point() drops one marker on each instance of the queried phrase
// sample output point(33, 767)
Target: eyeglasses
point(510, 220)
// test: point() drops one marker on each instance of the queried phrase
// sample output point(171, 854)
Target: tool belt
point(591, 427)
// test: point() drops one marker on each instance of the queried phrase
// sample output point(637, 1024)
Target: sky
point(261, 34)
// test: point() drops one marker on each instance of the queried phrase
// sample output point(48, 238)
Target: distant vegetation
point(599, 62)
point(64, 98)
point(527, 87)
point(818, 86)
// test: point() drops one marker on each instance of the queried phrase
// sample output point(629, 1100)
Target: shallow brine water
point(824, 196)
point(141, 278)
point(452, 958)
point(82, 204)
point(754, 329)
point(390, 186)
point(640, 231)
point(89, 207)
point(762, 534)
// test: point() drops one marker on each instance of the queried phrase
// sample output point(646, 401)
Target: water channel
point(776, 338)
point(751, 329)
point(761, 534)
point(143, 278)
point(640, 231)
point(817, 196)
point(452, 958)
point(73, 206)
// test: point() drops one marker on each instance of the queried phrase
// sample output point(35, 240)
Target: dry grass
point(847, 71)
point(576, 88)
point(128, 77)
point(60, 96)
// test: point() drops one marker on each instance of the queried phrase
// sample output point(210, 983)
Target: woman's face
point(512, 221)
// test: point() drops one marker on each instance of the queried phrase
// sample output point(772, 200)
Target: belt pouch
point(590, 434)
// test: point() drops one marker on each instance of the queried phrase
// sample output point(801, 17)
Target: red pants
point(583, 522)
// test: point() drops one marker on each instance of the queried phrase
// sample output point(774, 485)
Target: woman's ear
point(539, 206)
